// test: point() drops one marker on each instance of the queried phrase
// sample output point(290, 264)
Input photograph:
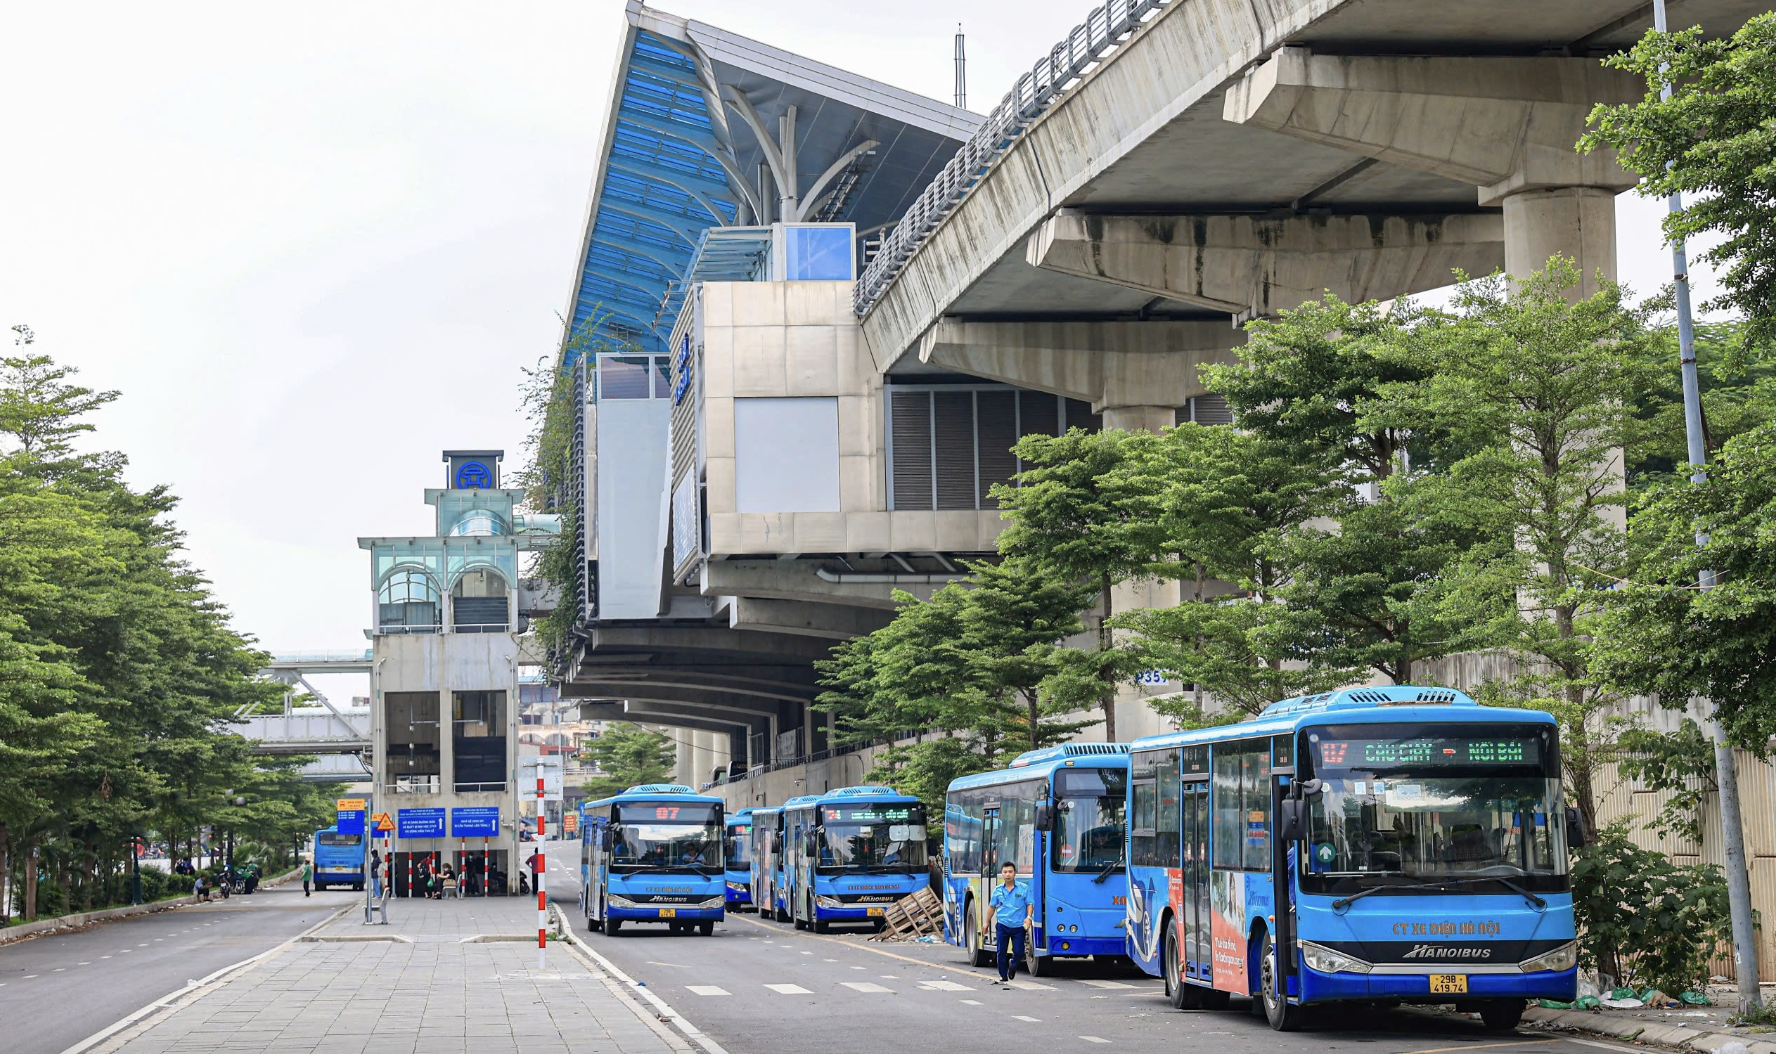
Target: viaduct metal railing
point(1091, 42)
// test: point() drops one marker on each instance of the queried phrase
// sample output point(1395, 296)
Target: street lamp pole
point(135, 869)
point(1745, 964)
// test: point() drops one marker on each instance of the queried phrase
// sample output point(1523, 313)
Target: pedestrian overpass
point(340, 735)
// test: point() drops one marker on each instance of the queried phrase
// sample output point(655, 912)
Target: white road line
point(31, 976)
point(830, 960)
point(973, 1002)
point(706, 989)
point(86, 963)
point(866, 986)
point(890, 977)
point(788, 989)
point(944, 986)
point(104, 957)
point(1105, 984)
point(1024, 1017)
point(1094, 1039)
point(856, 967)
point(1031, 986)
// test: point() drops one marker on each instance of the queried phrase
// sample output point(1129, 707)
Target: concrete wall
point(775, 340)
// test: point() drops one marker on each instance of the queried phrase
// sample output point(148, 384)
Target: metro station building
point(828, 307)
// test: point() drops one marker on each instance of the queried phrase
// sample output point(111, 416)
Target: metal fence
point(1091, 42)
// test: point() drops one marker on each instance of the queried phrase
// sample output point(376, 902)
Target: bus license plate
point(672, 913)
point(1449, 984)
point(872, 912)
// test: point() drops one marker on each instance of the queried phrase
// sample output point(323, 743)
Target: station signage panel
point(419, 823)
point(475, 821)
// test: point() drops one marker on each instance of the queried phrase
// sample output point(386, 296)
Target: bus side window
point(1169, 821)
point(1144, 810)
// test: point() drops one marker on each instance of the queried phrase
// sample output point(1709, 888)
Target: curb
point(82, 919)
point(1635, 1030)
point(627, 989)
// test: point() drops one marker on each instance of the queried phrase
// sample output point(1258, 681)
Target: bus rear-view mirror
point(1575, 828)
point(1291, 819)
point(1044, 816)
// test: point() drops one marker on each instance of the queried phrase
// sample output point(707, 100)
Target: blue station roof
point(678, 157)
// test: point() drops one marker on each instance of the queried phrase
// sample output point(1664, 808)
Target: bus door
point(1194, 907)
point(989, 935)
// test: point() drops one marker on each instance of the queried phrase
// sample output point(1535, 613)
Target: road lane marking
point(1105, 984)
point(1031, 986)
point(788, 989)
point(1024, 1017)
point(973, 1002)
point(890, 977)
point(866, 986)
point(86, 963)
point(1482, 1046)
point(825, 960)
point(1094, 1039)
point(706, 989)
point(945, 986)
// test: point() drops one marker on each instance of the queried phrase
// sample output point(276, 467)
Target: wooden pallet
point(917, 915)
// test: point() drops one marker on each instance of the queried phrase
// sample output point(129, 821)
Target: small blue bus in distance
point(1056, 813)
point(338, 859)
point(852, 852)
point(653, 854)
point(1399, 843)
point(737, 857)
point(767, 863)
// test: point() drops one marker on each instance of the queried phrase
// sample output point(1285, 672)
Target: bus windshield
point(1088, 819)
point(335, 838)
point(1449, 805)
point(679, 837)
point(876, 837)
point(739, 848)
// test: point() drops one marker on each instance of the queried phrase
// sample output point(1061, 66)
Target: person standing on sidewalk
point(1010, 903)
point(308, 874)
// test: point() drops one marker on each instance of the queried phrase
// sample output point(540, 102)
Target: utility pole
point(961, 72)
point(1745, 963)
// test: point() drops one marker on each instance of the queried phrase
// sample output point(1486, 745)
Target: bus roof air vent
point(1437, 695)
point(855, 792)
point(1359, 698)
point(1067, 750)
point(659, 788)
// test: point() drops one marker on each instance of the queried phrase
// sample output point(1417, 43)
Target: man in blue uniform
point(1010, 911)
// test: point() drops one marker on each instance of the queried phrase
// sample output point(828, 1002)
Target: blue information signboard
point(475, 821)
point(350, 821)
point(419, 823)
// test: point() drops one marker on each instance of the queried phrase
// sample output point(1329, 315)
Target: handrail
point(1091, 42)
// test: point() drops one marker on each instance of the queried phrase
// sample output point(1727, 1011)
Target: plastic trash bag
point(1553, 1004)
point(1622, 1004)
point(1623, 993)
point(1696, 999)
point(1587, 1002)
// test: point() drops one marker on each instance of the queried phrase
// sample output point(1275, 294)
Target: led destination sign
point(873, 813)
point(1427, 753)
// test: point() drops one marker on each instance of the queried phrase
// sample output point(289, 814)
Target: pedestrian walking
point(308, 874)
point(1010, 902)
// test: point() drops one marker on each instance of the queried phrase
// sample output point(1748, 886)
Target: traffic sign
point(349, 821)
point(527, 777)
point(351, 805)
point(475, 821)
point(382, 823)
point(419, 823)
point(570, 822)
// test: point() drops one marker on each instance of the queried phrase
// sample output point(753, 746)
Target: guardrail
point(1091, 42)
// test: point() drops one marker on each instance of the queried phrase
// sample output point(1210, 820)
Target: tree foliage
point(1644, 920)
point(1712, 140)
point(119, 671)
point(626, 755)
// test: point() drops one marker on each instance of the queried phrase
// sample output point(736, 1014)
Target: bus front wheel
point(1038, 965)
point(705, 929)
point(1282, 1015)
point(1501, 1015)
point(612, 926)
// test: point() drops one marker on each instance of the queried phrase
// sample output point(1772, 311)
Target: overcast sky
point(314, 244)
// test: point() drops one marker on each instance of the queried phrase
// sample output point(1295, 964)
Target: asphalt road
point(56, 991)
point(759, 986)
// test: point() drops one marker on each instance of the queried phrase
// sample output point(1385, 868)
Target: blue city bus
point(1399, 844)
point(1056, 813)
point(338, 859)
point(767, 863)
point(851, 853)
point(653, 854)
point(737, 858)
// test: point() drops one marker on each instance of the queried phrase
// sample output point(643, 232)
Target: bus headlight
point(1564, 957)
point(829, 902)
point(1325, 960)
point(712, 903)
point(621, 902)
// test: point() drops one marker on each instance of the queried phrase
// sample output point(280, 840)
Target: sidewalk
point(1689, 1028)
point(444, 977)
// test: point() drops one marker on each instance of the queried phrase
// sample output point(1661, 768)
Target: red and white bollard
point(541, 869)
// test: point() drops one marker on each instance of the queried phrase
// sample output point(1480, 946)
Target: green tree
point(626, 755)
point(1075, 515)
point(1660, 634)
point(1711, 141)
point(1642, 919)
point(1540, 390)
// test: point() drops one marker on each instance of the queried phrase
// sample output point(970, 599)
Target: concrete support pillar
point(683, 764)
point(1140, 418)
point(1576, 222)
point(1506, 125)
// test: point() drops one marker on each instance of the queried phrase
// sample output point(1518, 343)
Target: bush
point(1644, 919)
